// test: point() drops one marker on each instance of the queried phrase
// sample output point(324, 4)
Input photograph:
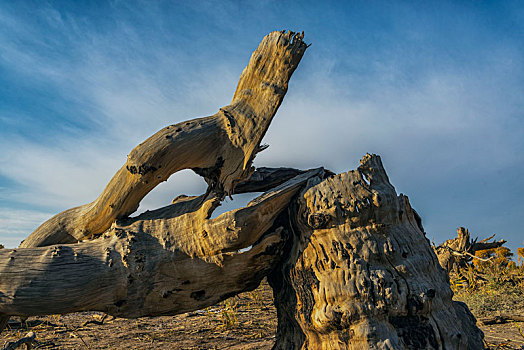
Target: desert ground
point(247, 321)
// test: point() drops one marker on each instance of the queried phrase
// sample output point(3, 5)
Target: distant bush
point(520, 256)
point(1, 246)
point(492, 282)
point(490, 269)
point(498, 258)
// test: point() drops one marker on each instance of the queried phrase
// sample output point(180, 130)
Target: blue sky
point(434, 87)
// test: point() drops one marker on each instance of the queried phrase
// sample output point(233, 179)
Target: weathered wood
point(220, 147)
point(361, 273)
point(263, 179)
point(347, 258)
point(163, 262)
point(457, 252)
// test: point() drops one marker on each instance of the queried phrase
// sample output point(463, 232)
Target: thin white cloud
point(15, 224)
point(457, 120)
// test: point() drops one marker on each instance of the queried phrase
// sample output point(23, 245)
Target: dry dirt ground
point(247, 321)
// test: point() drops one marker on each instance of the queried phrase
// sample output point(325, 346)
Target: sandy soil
point(504, 336)
point(247, 321)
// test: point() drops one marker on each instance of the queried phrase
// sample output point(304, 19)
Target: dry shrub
point(498, 259)
point(495, 283)
point(520, 256)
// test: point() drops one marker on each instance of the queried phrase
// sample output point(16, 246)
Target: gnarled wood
point(164, 262)
point(361, 273)
point(348, 259)
point(220, 147)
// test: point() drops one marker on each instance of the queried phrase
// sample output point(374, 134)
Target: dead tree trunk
point(220, 148)
point(361, 274)
point(164, 262)
point(347, 258)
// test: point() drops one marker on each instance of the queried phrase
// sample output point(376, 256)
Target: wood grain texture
point(347, 257)
point(164, 262)
point(361, 273)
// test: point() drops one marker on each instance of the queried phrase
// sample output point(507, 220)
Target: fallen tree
point(347, 258)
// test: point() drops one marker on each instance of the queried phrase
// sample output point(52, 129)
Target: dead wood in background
point(502, 318)
point(457, 252)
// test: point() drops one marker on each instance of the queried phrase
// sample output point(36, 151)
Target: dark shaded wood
point(265, 178)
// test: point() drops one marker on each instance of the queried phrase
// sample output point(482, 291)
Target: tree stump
point(361, 274)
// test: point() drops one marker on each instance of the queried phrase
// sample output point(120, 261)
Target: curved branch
point(220, 147)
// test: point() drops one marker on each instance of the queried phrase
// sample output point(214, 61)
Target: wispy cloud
point(15, 224)
point(119, 95)
point(443, 120)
